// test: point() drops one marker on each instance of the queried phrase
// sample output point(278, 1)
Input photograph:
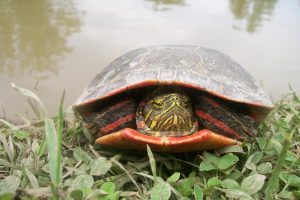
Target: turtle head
point(168, 112)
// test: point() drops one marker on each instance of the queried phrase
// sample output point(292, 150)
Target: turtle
point(174, 98)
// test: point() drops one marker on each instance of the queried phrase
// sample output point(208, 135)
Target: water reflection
point(33, 34)
point(252, 12)
point(164, 5)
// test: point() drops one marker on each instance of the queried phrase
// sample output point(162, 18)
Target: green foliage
point(51, 158)
point(213, 162)
point(198, 193)
point(161, 191)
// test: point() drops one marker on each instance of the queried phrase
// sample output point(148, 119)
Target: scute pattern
point(208, 69)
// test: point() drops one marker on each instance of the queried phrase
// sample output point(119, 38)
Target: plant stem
point(274, 180)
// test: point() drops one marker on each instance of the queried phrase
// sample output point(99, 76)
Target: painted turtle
point(173, 98)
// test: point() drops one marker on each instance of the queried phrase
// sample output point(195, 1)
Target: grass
point(54, 158)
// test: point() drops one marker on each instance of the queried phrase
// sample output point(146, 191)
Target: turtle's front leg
point(223, 120)
point(112, 118)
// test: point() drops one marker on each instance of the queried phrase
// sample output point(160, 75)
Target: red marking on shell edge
point(144, 84)
point(117, 123)
point(133, 135)
point(218, 123)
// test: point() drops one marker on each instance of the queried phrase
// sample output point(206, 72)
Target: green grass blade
point(9, 125)
point(42, 146)
point(53, 150)
point(60, 126)
point(152, 162)
point(274, 180)
point(128, 174)
point(8, 147)
point(16, 130)
point(32, 179)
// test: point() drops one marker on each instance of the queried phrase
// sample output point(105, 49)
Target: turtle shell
point(193, 67)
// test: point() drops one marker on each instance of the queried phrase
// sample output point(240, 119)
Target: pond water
point(49, 45)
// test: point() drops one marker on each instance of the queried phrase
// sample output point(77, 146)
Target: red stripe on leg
point(210, 101)
point(117, 123)
point(218, 123)
point(119, 105)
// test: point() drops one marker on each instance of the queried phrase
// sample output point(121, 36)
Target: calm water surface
point(49, 46)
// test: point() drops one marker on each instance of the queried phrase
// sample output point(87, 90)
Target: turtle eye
point(157, 104)
point(186, 102)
